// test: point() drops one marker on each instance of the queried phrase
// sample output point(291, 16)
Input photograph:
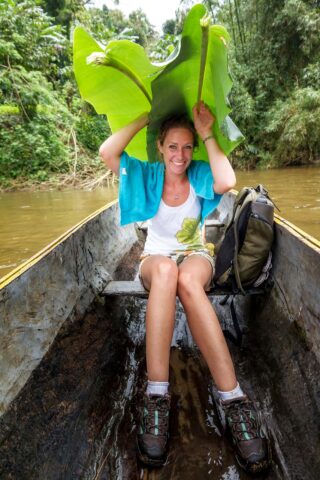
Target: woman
point(175, 196)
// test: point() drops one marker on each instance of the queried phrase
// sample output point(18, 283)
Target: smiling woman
point(175, 196)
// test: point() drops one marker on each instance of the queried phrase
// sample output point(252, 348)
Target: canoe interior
point(75, 417)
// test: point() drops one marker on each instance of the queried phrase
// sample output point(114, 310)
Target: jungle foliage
point(275, 64)
point(45, 128)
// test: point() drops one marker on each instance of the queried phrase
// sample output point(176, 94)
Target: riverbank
point(87, 178)
point(91, 176)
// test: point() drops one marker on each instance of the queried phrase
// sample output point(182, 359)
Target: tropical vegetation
point(47, 131)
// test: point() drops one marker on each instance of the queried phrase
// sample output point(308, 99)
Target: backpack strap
point(235, 258)
point(235, 261)
point(237, 338)
point(238, 202)
point(234, 222)
point(242, 195)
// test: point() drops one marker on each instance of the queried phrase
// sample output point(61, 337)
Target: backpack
point(244, 258)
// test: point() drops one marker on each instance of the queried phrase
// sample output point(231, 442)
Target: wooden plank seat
point(134, 288)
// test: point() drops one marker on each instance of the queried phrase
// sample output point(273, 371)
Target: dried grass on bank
point(88, 178)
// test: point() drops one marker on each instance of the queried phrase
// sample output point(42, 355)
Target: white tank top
point(175, 229)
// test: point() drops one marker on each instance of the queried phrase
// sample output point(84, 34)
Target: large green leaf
point(122, 83)
point(108, 88)
point(175, 90)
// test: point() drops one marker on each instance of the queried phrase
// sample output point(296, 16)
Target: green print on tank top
point(190, 233)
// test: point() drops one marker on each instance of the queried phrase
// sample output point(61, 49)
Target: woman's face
point(177, 149)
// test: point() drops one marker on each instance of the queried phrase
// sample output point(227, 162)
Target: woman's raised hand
point(111, 149)
point(222, 171)
point(203, 119)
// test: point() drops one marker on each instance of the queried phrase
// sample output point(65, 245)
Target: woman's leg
point(159, 275)
point(194, 275)
point(242, 419)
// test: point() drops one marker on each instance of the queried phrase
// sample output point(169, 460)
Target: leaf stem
point(204, 23)
point(105, 59)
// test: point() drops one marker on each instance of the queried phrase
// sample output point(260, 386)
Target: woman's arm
point(112, 148)
point(222, 171)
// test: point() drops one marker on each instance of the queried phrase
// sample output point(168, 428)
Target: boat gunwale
point(298, 232)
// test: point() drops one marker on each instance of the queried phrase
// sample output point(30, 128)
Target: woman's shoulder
point(133, 166)
point(126, 158)
point(199, 166)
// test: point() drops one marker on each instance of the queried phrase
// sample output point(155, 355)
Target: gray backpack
point(243, 260)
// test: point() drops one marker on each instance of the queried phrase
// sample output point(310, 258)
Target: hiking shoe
point(152, 439)
point(252, 448)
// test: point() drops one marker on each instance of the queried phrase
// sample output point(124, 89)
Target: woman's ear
point(159, 151)
point(160, 147)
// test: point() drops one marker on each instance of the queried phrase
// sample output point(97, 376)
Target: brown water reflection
point(31, 220)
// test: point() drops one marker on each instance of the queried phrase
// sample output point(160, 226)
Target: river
point(31, 220)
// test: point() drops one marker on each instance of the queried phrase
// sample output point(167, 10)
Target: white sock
point(157, 388)
point(232, 394)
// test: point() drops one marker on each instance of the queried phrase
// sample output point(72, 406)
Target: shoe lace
point(242, 419)
point(156, 413)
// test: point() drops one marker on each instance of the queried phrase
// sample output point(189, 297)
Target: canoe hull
point(59, 286)
point(70, 407)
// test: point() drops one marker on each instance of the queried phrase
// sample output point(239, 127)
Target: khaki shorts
point(179, 258)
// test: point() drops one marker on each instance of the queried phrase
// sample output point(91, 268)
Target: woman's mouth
point(179, 164)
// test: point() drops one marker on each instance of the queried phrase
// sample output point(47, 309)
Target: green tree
point(64, 12)
point(275, 51)
point(32, 120)
point(106, 24)
point(28, 37)
point(44, 125)
point(33, 141)
point(141, 27)
point(293, 127)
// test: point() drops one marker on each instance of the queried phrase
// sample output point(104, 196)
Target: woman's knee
point(188, 285)
point(166, 270)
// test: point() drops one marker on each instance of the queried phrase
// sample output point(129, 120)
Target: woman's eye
point(188, 147)
point(172, 147)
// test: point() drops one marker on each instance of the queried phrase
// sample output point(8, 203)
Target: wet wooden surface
point(77, 416)
point(197, 450)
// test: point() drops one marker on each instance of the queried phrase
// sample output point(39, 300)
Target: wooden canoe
point(72, 363)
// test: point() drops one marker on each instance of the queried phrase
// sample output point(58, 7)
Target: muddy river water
point(31, 220)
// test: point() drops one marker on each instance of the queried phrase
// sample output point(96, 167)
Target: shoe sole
point(253, 469)
point(150, 462)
